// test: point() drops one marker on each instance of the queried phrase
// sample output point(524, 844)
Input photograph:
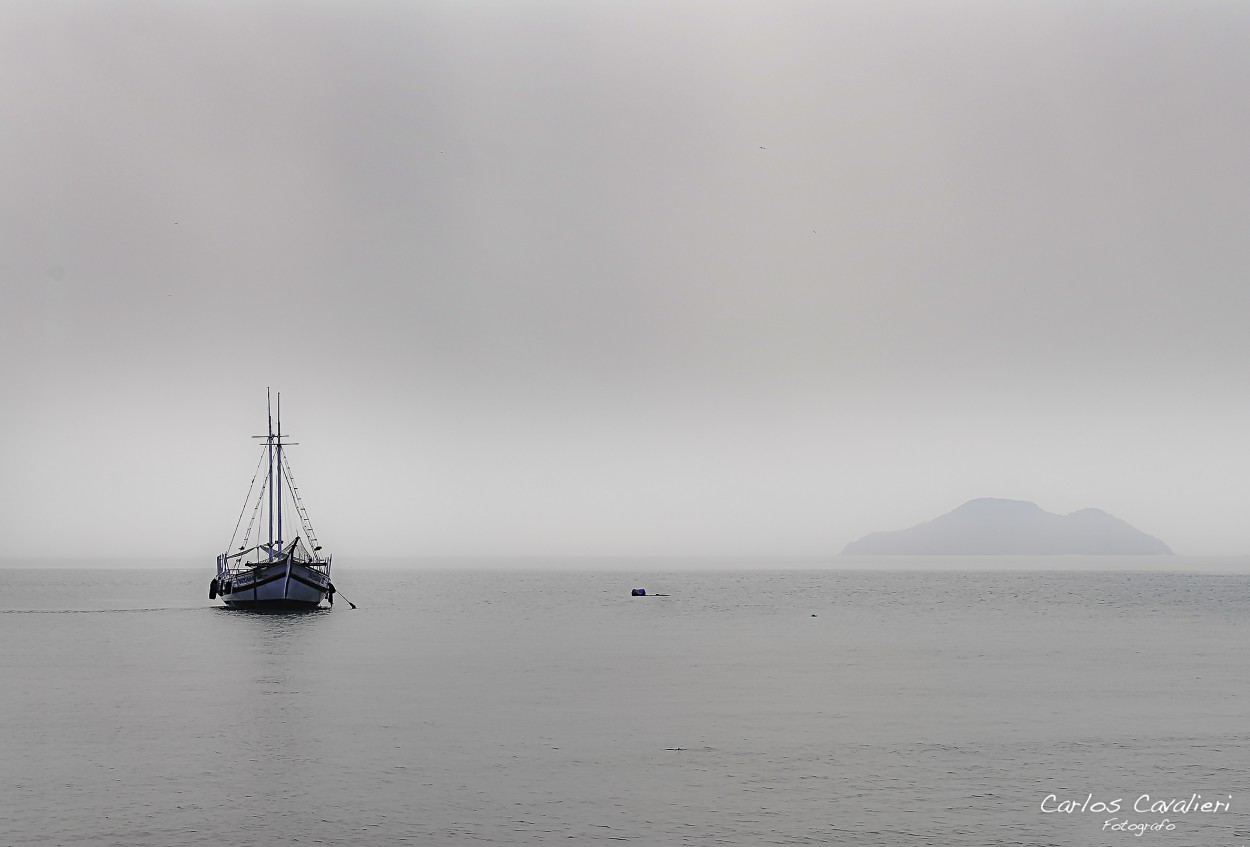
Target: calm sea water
point(747, 708)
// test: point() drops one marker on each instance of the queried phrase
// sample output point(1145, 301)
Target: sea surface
point(747, 707)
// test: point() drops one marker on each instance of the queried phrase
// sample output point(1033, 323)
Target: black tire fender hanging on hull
point(212, 590)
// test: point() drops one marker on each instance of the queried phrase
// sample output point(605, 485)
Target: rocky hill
point(990, 526)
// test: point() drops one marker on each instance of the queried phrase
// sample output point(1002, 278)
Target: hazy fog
point(621, 278)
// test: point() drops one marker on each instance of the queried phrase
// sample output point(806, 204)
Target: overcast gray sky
point(627, 278)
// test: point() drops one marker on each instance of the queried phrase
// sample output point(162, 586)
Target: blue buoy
point(639, 592)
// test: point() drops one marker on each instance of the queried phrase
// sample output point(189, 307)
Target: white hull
point(276, 586)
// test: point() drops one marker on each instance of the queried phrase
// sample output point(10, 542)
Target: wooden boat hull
point(278, 587)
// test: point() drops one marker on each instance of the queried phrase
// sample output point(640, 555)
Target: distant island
point(989, 526)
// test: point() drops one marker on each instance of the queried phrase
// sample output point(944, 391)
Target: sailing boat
point(274, 574)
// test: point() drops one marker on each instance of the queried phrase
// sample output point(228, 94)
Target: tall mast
point(269, 441)
point(278, 482)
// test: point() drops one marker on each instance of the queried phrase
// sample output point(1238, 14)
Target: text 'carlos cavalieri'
point(1144, 804)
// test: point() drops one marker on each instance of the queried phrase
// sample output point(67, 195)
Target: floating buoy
point(638, 592)
point(212, 590)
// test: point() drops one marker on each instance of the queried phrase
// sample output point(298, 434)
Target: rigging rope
point(246, 497)
point(299, 503)
point(259, 498)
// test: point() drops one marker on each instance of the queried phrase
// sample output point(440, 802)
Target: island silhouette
point(992, 526)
